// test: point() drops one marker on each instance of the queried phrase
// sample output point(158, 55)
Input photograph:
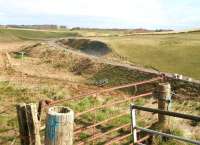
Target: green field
point(17, 34)
point(176, 53)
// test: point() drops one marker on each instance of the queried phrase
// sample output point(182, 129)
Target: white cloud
point(2, 14)
point(141, 13)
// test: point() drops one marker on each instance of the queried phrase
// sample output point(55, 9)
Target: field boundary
point(95, 134)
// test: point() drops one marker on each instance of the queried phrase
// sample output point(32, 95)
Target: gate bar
point(169, 113)
point(114, 103)
point(168, 135)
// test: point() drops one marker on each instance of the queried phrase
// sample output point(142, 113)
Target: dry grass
point(12, 46)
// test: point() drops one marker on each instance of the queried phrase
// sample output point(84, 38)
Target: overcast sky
point(175, 14)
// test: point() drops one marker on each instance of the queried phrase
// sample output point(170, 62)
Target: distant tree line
point(45, 26)
point(51, 26)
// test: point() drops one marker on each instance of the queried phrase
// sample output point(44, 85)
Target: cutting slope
point(88, 46)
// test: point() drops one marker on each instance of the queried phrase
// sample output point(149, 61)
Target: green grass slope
point(176, 53)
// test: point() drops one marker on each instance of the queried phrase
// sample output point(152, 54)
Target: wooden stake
point(23, 126)
point(28, 124)
point(59, 126)
point(33, 124)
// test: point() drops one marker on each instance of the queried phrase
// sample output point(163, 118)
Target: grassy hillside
point(177, 53)
point(17, 34)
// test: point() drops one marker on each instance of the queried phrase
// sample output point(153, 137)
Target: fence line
point(114, 103)
point(99, 123)
point(98, 135)
point(108, 90)
point(105, 133)
point(118, 139)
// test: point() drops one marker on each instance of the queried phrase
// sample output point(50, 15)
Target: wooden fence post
point(23, 125)
point(164, 100)
point(59, 126)
point(33, 124)
point(28, 124)
point(133, 119)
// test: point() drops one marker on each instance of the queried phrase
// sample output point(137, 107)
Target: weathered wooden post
point(59, 126)
point(164, 101)
point(23, 125)
point(33, 124)
point(133, 119)
point(163, 95)
point(29, 125)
